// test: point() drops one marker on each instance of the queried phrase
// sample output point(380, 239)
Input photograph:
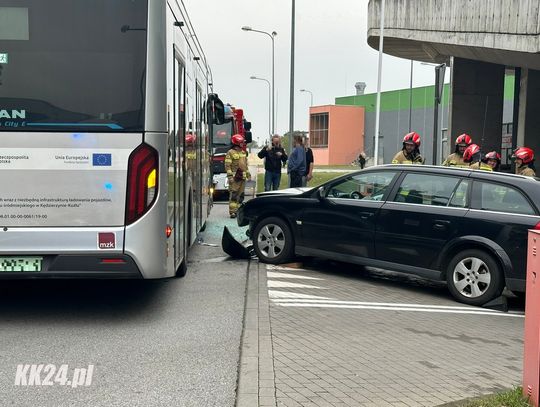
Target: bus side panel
point(145, 240)
point(156, 84)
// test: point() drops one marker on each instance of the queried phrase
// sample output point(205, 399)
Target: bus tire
point(181, 271)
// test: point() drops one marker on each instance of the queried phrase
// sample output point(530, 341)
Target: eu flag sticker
point(102, 160)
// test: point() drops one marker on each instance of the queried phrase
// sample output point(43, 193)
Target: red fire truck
point(235, 123)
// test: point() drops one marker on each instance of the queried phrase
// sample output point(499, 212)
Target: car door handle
point(366, 215)
point(441, 224)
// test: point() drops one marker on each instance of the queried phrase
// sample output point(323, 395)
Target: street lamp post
point(291, 90)
point(379, 78)
point(272, 35)
point(310, 92)
point(269, 104)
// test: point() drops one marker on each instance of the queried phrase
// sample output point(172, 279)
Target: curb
point(256, 380)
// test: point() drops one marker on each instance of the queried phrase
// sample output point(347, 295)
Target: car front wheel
point(474, 277)
point(273, 241)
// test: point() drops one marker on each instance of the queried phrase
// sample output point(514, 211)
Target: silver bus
point(104, 143)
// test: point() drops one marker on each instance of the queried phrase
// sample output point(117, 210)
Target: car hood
point(288, 191)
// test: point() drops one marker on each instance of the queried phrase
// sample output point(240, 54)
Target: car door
point(343, 219)
point(424, 213)
point(503, 214)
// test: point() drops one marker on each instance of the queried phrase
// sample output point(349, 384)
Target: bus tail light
point(142, 182)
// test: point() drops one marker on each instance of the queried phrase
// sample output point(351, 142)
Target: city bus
point(104, 142)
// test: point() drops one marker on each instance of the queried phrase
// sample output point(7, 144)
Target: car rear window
point(501, 198)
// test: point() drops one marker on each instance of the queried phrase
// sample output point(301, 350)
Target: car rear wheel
point(273, 241)
point(474, 277)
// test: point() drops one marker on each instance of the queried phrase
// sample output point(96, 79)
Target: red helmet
point(470, 151)
point(238, 140)
point(190, 138)
point(412, 138)
point(493, 155)
point(464, 139)
point(525, 154)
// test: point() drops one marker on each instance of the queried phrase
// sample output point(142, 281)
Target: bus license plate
point(20, 264)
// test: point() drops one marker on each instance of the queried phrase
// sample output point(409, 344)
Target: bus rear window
point(73, 65)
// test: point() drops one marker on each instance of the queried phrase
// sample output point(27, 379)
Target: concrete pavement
point(336, 335)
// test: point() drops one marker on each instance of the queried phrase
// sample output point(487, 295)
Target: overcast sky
point(331, 55)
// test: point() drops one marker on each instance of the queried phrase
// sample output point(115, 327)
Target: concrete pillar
point(529, 111)
point(477, 86)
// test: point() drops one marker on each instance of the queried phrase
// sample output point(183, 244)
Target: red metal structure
point(531, 356)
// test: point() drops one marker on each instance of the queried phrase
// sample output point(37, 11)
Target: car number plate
point(20, 264)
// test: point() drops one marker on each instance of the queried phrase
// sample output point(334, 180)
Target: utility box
point(531, 356)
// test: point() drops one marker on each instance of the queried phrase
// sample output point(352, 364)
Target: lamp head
point(252, 77)
point(246, 28)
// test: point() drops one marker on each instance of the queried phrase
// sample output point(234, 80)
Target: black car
point(464, 226)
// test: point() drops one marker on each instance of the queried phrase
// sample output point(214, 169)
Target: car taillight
point(219, 158)
point(142, 182)
point(537, 226)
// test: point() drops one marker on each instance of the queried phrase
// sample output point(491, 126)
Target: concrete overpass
point(485, 39)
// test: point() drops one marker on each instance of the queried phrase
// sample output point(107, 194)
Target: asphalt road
point(152, 343)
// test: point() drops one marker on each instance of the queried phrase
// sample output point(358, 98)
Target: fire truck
point(235, 123)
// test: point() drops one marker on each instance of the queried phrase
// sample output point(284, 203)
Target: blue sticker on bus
point(102, 160)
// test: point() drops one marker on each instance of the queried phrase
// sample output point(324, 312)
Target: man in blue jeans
point(274, 157)
point(296, 168)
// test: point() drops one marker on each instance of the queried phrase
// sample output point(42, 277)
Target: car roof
point(480, 174)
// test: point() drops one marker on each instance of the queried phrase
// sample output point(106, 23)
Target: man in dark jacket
point(274, 158)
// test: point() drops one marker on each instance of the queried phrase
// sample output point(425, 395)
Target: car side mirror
point(248, 137)
point(321, 193)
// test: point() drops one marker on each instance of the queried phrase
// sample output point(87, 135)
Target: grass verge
point(512, 398)
point(318, 179)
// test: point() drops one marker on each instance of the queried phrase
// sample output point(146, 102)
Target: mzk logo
point(12, 114)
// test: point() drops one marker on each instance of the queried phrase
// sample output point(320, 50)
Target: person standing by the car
point(296, 166)
point(524, 157)
point(410, 154)
point(274, 158)
point(473, 157)
point(236, 165)
point(456, 158)
point(309, 163)
point(493, 159)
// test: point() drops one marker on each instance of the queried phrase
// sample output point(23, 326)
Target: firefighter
point(456, 159)
point(410, 154)
point(524, 157)
point(236, 166)
point(473, 157)
point(493, 159)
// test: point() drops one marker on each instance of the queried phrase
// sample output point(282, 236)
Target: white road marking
point(286, 284)
point(274, 274)
point(288, 296)
point(402, 309)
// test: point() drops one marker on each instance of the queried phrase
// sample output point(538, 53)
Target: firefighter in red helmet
point(410, 154)
point(456, 158)
point(472, 156)
point(493, 159)
point(524, 157)
point(236, 165)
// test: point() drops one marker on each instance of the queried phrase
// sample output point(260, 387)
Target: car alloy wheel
point(271, 241)
point(472, 277)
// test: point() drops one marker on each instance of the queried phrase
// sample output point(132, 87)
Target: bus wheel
point(182, 269)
